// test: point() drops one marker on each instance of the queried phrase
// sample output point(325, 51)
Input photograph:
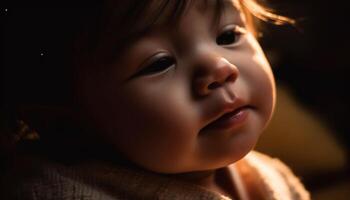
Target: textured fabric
point(277, 182)
point(93, 180)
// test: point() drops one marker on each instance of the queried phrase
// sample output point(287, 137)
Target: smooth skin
point(155, 102)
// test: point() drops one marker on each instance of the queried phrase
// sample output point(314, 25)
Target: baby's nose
point(213, 73)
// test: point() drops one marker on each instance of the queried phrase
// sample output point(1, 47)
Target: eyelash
point(235, 31)
point(165, 62)
point(159, 65)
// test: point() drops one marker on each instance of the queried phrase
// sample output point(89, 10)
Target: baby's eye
point(230, 35)
point(159, 65)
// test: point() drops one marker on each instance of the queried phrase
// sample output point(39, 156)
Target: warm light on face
point(151, 109)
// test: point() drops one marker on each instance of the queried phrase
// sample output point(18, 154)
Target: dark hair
point(46, 49)
point(137, 17)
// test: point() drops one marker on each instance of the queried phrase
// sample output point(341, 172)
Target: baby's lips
point(227, 107)
point(230, 120)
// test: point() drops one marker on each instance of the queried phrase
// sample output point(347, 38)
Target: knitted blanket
point(97, 180)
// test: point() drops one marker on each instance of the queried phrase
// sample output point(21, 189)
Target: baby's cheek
point(157, 131)
point(259, 77)
point(264, 95)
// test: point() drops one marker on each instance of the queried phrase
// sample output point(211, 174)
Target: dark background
point(311, 58)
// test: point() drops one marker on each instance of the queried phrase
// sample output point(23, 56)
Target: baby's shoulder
point(271, 177)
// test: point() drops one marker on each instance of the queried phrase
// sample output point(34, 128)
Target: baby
point(180, 92)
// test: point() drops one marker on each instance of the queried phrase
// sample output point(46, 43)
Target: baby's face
point(161, 103)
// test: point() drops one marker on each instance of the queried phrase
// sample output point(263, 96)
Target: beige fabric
point(104, 181)
point(276, 180)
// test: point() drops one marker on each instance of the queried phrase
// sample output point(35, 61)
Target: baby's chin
point(209, 156)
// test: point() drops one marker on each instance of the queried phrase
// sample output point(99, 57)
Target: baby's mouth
point(229, 120)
